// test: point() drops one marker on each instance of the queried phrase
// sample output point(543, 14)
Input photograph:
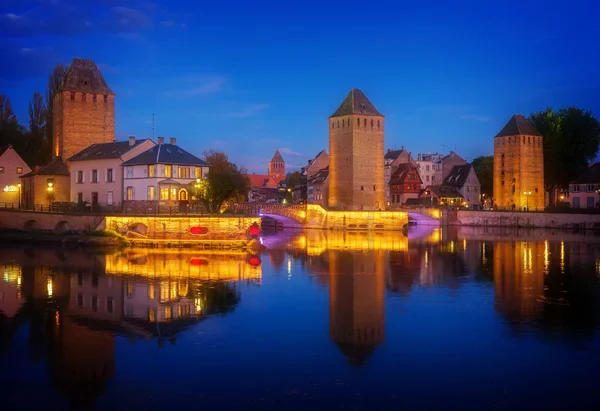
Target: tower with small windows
point(519, 166)
point(277, 165)
point(83, 110)
point(356, 164)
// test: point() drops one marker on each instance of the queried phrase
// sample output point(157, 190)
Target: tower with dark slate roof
point(83, 110)
point(519, 166)
point(356, 150)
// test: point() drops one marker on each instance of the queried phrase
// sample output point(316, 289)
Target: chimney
point(131, 141)
point(160, 140)
point(389, 150)
point(173, 141)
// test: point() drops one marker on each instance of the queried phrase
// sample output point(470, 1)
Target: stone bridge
point(315, 216)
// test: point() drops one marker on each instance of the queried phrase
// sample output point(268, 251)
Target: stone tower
point(519, 166)
point(83, 110)
point(356, 180)
point(277, 165)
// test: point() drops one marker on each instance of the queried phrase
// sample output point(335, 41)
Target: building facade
point(161, 176)
point(391, 161)
point(465, 180)
point(83, 110)
point(97, 175)
point(45, 186)
point(273, 178)
point(12, 167)
point(441, 195)
point(429, 168)
point(404, 184)
point(318, 188)
point(584, 191)
point(356, 141)
point(519, 166)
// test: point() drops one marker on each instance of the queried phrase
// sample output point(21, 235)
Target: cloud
point(127, 19)
point(247, 111)
point(474, 118)
point(198, 87)
point(289, 152)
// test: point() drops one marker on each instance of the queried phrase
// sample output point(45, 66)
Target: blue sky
point(250, 77)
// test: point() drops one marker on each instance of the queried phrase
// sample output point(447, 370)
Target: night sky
point(249, 77)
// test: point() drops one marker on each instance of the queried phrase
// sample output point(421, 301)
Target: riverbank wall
point(522, 219)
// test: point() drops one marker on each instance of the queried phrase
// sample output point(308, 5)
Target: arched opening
point(30, 225)
point(139, 228)
point(62, 227)
point(183, 195)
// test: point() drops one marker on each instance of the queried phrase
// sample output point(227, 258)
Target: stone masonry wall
point(519, 219)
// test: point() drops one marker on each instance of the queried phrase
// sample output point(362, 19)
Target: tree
point(38, 145)
point(11, 132)
point(225, 182)
point(571, 141)
point(7, 116)
point(55, 80)
point(291, 181)
point(484, 167)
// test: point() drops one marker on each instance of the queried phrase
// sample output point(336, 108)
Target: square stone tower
point(519, 166)
point(356, 165)
point(83, 110)
point(277, 165)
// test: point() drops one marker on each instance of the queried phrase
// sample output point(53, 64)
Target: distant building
point(318, 188)
point(83, 110)
point(405, 184)
point(519, 166)
point(584, 191)
point(46, 185)
point(356, 141)
point(266, 195)
point(391, 160)
point(96, 173)
point(314, 166)
point(161, 176)
point(430, 168)
point(446, 166)
point(441, 195)
point(275, 176)
point(465, 180)
point(12, 167)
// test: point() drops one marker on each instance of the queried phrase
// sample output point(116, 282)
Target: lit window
point(173, 193)
point(183, 172)
point(129, 193)
point(150, 193)
point(151, 171)
point(19, 170)
point(129, 289)
point(164, 193)
point(151, 291)
point(168, 171)
point(151, 315)
point(198, 172)
point(168, 312)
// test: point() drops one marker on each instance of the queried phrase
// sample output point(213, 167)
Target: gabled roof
point(441, 191)
point(55, 168)
point(105, 150)
point(320, 176)
point(166, 154)
point(277, 158)
point(458, 175)
point(518, 125)
point(356, 103)
point(402, 173)
point(83, 75)
point(591, 176)
point(258, 180)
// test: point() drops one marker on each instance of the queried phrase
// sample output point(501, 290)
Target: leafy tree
point(54, 82)
point(11, 132)
point(571, 141)
point(7, 116)
point(291, 181)
point(225, 182)
point(38, 145)
point(484, 167)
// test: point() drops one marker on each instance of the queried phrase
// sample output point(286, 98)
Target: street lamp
point(50, 189)
point(527, 194)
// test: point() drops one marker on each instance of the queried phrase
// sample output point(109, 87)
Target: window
point(168, 171)
point(109, 198)
point(109, 305)
point(575, 188)
point(576, 201)
point(79, 177)
point(332, 125)
point(94, 98)
point(427, 179)
point(362, 188)
point(129, 193)
point(95, 303)
point(164, 193)
point(72, 95)
point(198, 172)
point(82, 96)
point(151, 314)
point(129, 289)
point(109, 175)
point(94, 176)
point(183, 172)
point(105, 98)
point(19, 170)
point(358, 122)
point(173, 193)
point(79, 300)
point(151, 171)
point(79, 279)
point(150, 193)
point(590, 188)
point(338, 124)
point(590, 202)
point(377, 123)
point(168, 312)
point(365, 123)
point(79, 198)
point(129, 171)
point(372, 123)
point(374, 187)
point(151, 291)
point(95, 198)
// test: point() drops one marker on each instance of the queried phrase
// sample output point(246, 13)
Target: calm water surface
point(467, 319)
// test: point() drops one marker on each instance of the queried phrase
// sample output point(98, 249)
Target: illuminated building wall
point(357, 302)
point(180, 228)
point(317, 242)
point(519, 277)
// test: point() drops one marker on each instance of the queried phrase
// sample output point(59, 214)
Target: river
point(467, 319)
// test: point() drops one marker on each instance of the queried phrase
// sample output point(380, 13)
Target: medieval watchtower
point(519, 166)
point(277, 165)
point(356, 163)
point(83, 110)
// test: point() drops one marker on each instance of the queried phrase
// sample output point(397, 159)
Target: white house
point(12, 167)
point(96, 173)
point(464, 179)
point(161, 176)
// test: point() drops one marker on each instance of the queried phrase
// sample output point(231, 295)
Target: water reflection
point(75, 305)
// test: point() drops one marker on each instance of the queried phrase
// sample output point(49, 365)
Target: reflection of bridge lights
point(49, 287)
point(289, 267)
point(254, 261)
point(260, 214)
point(198, 305)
